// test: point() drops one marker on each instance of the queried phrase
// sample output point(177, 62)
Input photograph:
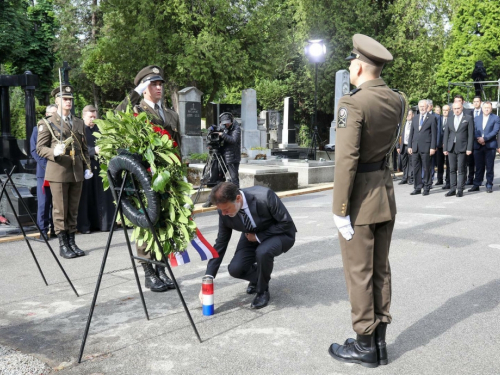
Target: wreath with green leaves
point(135, 134)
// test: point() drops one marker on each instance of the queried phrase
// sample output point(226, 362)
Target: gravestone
point(288, 132)
point(190, 121)
point(342, 87)
point(250, 132)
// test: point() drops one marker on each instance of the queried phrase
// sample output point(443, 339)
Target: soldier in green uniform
point(68, 163)
point(364, 207)
point(150, 83)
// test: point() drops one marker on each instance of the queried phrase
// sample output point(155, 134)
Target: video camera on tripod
point(214, 140)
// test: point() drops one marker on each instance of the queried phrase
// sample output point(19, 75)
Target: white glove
point(97, 149)
point(344, 226)
point(88, 174)
point(142, 87)
point(59, 149)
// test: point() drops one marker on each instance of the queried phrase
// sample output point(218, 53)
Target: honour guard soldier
point(61, 139)
point(150, 83)
point(364, 207)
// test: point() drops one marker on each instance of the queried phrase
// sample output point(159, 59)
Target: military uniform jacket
point(61, 168)
point(171, 123)
point(366, 123)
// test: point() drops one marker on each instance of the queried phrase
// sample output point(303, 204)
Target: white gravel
point(13, 362)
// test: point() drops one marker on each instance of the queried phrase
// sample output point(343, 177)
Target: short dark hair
point(458, 96)
point(224, 192)
point(477, 96)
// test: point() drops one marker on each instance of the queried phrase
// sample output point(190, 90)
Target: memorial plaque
point(193, 118)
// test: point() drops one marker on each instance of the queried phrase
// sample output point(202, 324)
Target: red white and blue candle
point(207, 291)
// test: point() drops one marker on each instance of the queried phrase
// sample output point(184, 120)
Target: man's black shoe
point(431, 187)
point(261, 300)
point(402, 182)
point(160, 272)
point(379, 343)
point(489, 189)
point(361, 351)
point(474, 188)
point(64, 249)
point(72, 245)
point(251, 288)
point(438, 183)
point(416, 191)
point(450, 193)
point(460, 193)
point(53, 234)
point(153, 282)
point(410, 182)
point(446, 187)
point(426, 192)
point(469, 182)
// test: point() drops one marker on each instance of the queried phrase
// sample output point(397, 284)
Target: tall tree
point(475, 35)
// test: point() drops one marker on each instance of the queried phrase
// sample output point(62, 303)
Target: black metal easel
point(4, 189)
point(164, 262)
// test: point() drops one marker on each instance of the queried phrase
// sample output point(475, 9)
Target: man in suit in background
point(444, 160)
point(43, 193)
point(422, 145)
point(458, 142)
point(430, 107)
point(267, 232)
point(402, 149)
point(468, 158)
point(486, 128)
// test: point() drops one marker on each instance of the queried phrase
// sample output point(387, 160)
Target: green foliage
point(135, 134)
point(474, 36)
point(201, 157)
point(304, 137)
point(258, 148)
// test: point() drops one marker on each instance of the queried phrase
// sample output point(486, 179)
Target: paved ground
point(446, 294)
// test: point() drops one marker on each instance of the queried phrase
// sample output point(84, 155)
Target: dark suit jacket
point(423, 140)
point(41, 163)
point(439, 130)
point(464, 135)
point(270, 216)
point(489, 133)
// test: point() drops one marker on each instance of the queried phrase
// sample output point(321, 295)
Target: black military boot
point(160, 272)
point(152, 281)
point(381, 344)
point(72, 245)
point(361, 351)
point(64, 249)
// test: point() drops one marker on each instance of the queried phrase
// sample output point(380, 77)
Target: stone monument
point(288, 132)
point(342, 87)
point(250, 132)
point(190, 121)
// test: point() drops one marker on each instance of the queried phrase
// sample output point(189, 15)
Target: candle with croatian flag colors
point(208, 295)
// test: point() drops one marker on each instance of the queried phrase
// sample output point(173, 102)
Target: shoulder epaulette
point(354, 91)
point(395, 90)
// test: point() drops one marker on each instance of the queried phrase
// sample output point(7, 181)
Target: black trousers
point(422, 161)
point(471, 165)
point(254, 261)
point(484, 160)
point(457, 167)
point(233, 172)
point(406, 163)
point(439, 157)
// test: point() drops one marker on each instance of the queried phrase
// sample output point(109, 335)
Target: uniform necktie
point(68, 121)
point(246, 221)
point(159, 112)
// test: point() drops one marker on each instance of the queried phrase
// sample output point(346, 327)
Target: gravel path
point(13, 362)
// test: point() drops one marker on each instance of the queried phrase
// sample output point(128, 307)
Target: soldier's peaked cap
point(149, 73)
point(67, 92)
point(369, 50)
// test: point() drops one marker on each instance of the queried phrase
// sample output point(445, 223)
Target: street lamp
point(315, 51)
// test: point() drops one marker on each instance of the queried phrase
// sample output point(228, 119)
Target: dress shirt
point(153, 105)
point(485, 121)
point(247, 211)
point(67, 119)
point(407, 132)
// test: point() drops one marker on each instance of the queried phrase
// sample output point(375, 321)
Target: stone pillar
point(250, 133)
point(288, 132)
point(190, 121)
point(342, 87)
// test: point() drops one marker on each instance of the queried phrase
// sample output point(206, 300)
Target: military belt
point(371, 167)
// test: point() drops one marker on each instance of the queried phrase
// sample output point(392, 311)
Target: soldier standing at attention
point(68, 163)
point(149, 81)
point(364, 207)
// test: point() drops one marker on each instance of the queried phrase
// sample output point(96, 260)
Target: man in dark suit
point(486, 128)
point(469, 159)
point(445, 161)
point(458, 138)
point(438, 158)
point(267, 231)
point(43, 193)
point(402, 149)
point(422, 145)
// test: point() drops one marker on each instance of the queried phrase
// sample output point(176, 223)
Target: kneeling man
point(267, 231)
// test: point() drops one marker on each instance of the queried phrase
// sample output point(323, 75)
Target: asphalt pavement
point(445, 260)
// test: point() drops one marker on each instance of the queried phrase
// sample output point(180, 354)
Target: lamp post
point(315, 51)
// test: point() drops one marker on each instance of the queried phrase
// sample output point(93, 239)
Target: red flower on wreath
point(136, 114)
point(175, 144)
point(162, 131)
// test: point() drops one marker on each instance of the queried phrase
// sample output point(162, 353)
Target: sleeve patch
point(342, 121)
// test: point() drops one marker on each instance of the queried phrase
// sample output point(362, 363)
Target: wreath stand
point(118, 195)
point(20, 197)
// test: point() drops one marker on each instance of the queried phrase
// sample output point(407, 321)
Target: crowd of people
point(450, 146)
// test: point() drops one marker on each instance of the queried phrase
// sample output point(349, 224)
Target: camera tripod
point(215, 159)
point(315, 142)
